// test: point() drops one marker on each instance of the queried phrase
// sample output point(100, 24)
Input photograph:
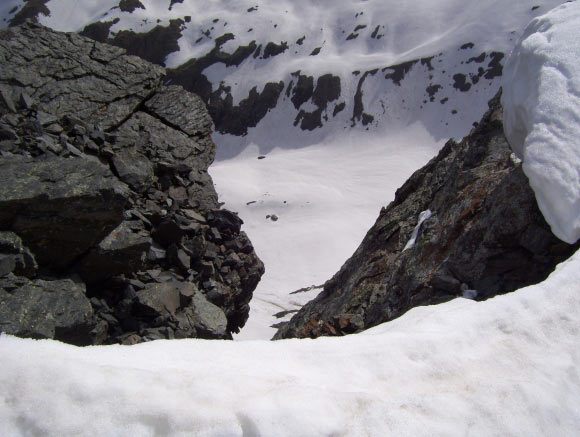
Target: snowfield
point(326, 197)
point(506, 366)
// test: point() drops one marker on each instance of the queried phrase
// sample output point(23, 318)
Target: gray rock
point(14, 257)
point(486, 234)
point(156, 253)
point(195, 315)
point(95, 82)
point(100, 117)
point(134, 169)
point(225, 221)
point(210, 320)
point(46, 309)
point(123, 251)
point(160, 299)
point(59, 207)
point(185, 111)
point(6, 100)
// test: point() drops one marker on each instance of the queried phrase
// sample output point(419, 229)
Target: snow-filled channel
point(325, 198)
point(506, 366)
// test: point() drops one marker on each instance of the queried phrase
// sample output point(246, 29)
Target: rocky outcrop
point(110, 227)
point(153, 46)
point(466, 224)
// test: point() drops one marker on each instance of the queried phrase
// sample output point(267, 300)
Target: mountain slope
point(409, 80)
point(317, 67)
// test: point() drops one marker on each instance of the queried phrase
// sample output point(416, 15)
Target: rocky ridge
point(110, 227)
point(467, 224)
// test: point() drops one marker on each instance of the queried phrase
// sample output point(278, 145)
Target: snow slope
point(325, 196)
point(454, 55)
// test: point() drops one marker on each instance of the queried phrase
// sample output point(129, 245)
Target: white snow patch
point(468, 293)
point(424, 215)
point(541, 101)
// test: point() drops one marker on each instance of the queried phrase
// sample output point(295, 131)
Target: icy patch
point(422, 217)
point(541, 102)
point(515, 160)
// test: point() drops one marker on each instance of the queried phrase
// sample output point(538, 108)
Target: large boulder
point(46, 309)
point(71, 75)
point(467, 224)
point(59, 207)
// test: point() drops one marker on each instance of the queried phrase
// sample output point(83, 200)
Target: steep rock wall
point(467, 224)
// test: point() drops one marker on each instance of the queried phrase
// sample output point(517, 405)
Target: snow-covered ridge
point(542, 114)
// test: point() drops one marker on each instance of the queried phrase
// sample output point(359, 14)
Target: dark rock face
point(130, 5)
point(153, 46)
point(110, 227)
point(98, 85)
point(327, 90)
point(59, 207)
point(30, 11)
point(228, 118)
point(485, 236)
point(273, 49)
point(45, 309)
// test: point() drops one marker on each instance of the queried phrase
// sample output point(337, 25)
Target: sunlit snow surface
point(542, 115)
point(446, 35)
point(325, 197)
point(507, 366)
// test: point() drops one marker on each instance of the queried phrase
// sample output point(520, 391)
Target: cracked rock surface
point(484, 236)
point(105, 196)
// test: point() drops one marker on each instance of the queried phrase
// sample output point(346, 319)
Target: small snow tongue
point(541, 100)
point(422, 217)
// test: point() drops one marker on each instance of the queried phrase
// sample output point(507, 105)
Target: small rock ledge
point(110, 227)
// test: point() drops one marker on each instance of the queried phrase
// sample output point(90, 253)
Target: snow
point(507, 366)
point(542, 114)
point(424, 215)
point(326, 197)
